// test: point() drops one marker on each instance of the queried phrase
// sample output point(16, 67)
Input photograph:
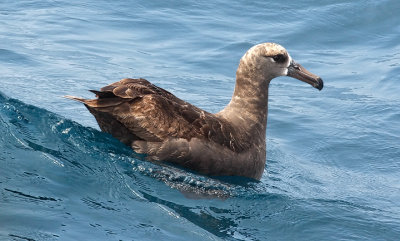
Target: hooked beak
point(297, 71)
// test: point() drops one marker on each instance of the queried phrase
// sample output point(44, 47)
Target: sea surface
point(333, 157)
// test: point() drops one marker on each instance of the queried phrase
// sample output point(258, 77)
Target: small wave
point(31, 196)
point(9, 56)
point(65, 142)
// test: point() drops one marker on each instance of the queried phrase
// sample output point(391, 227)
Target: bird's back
point(136, 110)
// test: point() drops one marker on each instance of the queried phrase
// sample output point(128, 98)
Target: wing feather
point(154, 114)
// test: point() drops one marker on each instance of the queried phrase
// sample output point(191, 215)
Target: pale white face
point(269, 60)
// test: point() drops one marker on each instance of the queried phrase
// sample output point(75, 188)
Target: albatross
point(232, 142)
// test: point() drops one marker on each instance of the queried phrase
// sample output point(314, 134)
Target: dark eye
point(280, 58)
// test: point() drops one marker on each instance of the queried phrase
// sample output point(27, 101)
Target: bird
point(167, 129)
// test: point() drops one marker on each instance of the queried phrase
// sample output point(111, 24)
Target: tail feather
point(103, 94)
point(97, 103)
point(75, 98)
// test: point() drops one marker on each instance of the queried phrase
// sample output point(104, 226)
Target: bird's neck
point(248, 108)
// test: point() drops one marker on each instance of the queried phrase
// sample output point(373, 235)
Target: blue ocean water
point(333, 157)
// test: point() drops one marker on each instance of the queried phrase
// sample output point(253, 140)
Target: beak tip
point(320, 85)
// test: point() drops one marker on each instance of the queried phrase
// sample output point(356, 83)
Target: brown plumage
point(232, 142)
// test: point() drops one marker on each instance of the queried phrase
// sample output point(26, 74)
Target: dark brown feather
point(146, 112)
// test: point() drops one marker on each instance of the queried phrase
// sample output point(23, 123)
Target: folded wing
point(135, 109)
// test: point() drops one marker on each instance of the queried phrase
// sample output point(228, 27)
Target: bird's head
point(270, 60)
